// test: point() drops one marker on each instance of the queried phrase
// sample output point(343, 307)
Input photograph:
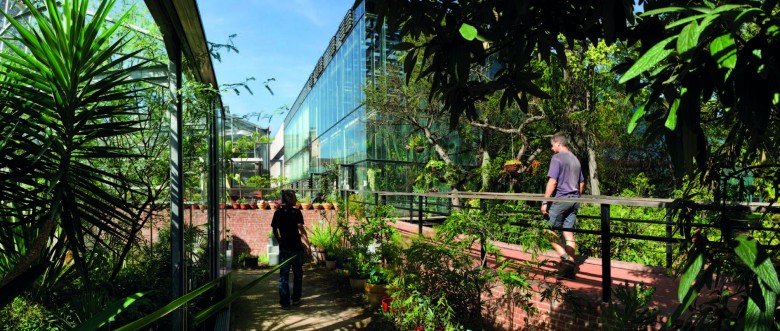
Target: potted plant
point(318, 236)
point(252, 204)
point(305, 203)
point(417, 143)
point(272, 250)
point(316, 206)
point(333, 199)
point(359, 267)
point(247, 260)
point(375, 285)
point(512, 166)
point(242, 203)
point(262, 204)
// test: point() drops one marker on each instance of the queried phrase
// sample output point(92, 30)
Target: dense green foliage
point(64, 97)
point(704, 82)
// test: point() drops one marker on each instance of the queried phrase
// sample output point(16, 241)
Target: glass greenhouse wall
point(329, 125)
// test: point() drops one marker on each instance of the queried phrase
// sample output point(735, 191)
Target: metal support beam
point(606, 257)
point(669, 236)
point(420, 215)
point(178, 267)
point(213, 194)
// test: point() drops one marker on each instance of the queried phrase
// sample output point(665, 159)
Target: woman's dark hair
point(287, 196)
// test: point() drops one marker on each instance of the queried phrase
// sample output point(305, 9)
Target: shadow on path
point(328, 303)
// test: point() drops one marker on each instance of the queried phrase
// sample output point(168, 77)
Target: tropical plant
point(255, 181)
point(630, 310)
point(371, 242)
point(378, 275)
point(66, 95)
point(325, 235)
point(416, 142)
point(436, 285)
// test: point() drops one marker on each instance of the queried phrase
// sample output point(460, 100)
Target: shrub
point(22, 314)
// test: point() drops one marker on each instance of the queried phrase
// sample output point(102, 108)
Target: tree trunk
point(593, 177)
point(485, 171)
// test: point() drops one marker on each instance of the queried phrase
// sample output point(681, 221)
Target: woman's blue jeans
point(284, 272)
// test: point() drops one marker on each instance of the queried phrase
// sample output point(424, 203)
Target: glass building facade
point(328, 124)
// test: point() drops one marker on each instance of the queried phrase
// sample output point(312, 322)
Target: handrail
point(204, 314)
point(213, 309)
point(604, 217)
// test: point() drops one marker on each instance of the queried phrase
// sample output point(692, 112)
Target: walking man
point(566, 181)
point(288, 229)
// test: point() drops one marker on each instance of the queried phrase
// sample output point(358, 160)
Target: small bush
point(23, 314)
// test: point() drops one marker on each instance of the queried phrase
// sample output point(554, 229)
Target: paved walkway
point(328, 303)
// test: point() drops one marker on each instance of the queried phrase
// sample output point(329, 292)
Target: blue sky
point(275, 39)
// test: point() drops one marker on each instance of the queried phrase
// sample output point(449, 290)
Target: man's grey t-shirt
point(565, 168)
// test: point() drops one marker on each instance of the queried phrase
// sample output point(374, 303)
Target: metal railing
point(427, 209)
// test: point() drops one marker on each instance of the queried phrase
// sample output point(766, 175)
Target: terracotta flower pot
point(357, 283)
point(327, 206)
point(306, 205)
point(375, 288)
point(512, 167)
point(330, 264)
point(375, 294)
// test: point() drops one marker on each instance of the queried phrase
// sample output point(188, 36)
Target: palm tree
point(62, 95)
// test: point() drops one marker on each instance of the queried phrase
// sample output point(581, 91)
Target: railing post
point(668, 236)
point(420, 215)
point(482, 251)
point(411, 208)
point(606, 258)
point(345, 194)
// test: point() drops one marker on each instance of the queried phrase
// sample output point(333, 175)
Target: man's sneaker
point(566, 270)
point(285, 307)
point(296, 302)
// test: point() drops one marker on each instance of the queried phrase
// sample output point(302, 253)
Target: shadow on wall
point(240, 246)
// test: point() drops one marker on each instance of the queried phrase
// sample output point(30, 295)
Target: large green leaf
point(689, 37)
point(689, 275)
point(655, 54)
point(671, 119)
point(638, 113)
point(113, 310)
point(760, 312)
point(663, 11)
point(755, 257)
point(724, 50)
point(468, 32)
point(684, 21)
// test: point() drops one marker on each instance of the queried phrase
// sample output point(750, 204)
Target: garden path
point(328, 303)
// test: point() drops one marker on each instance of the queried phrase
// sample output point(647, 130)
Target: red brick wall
point(249, 228)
